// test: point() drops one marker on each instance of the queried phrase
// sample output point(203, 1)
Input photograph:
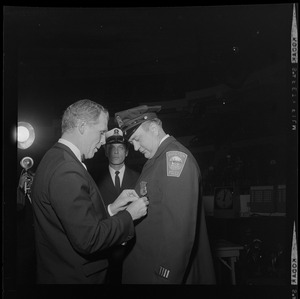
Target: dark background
point(221, 73)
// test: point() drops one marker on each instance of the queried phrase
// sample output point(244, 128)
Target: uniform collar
point(164, 139)
point(164, 142)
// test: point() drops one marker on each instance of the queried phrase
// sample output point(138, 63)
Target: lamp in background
point(25, 138)
point(25, 135)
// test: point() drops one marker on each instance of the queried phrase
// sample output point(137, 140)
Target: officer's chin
point(148, 156)
point(92, 154)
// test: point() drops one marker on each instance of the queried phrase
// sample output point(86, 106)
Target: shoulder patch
point(175, 163)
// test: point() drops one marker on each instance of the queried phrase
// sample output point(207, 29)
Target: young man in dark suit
point(112, 182)
point(74, 229)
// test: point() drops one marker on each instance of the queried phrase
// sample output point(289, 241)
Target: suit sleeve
point(87, 229)
point(179, 216)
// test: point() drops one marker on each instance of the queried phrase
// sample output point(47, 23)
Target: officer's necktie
point(117, 182)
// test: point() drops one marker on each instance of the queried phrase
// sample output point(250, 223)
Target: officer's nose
point(135, 145)
point(102, 139)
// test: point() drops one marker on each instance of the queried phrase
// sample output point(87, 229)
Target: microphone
point(27, 163)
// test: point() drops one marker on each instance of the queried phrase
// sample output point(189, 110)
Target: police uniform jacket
point(165, 238)
point(73, 230)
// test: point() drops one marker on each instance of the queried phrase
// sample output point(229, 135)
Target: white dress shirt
point(113, 177)
point(73, 148)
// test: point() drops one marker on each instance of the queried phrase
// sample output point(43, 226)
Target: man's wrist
point(109, 210)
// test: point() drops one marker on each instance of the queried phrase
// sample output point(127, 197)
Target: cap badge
point(116, 132)
point(119, 121)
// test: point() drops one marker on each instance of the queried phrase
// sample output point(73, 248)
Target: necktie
point(117, 182)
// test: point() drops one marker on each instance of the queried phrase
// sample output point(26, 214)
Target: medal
point(143, 188)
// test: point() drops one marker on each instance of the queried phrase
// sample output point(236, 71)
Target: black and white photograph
point(150, 151)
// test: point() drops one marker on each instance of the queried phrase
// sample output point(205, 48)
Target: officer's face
point(116, 153)
point(145, 140)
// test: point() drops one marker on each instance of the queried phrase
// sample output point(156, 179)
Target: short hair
point(146, 124)
point(82, 110)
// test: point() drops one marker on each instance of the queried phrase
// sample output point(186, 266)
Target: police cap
point(114, 136)
point(129, 120)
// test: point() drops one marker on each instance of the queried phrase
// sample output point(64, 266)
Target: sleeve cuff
point(109, 211)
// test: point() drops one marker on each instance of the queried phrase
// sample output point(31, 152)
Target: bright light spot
point(23, 134)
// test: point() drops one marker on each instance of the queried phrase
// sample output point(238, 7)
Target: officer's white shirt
point(113, 174)
point(164, 138)
point(73, 148)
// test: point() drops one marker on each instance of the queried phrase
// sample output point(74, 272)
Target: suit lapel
point(126, 178)
point(97, 200)
point(110, 182)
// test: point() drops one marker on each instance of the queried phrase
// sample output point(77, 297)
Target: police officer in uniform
point(112, 182)
point(171, 245)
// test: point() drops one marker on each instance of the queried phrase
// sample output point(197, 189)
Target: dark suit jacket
point(72, 227)
point(107, 187)
point(109, 192)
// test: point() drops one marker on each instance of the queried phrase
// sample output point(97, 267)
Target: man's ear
point(153, 128)
point(81, 127)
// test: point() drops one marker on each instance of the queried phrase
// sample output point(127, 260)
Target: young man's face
point(116, 153)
